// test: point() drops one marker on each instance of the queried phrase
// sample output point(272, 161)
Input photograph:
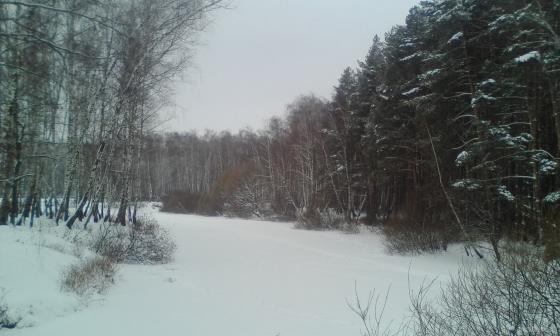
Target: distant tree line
point(451, 124)
point(80, 82)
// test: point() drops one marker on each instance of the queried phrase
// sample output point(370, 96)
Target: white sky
point(259, 56)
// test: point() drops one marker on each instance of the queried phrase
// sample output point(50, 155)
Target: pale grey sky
point(259, 56)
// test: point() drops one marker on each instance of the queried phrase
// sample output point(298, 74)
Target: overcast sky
point(259, 56)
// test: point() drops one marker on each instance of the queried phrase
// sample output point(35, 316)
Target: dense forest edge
point(448, 129)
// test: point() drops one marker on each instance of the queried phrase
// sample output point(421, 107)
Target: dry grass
point(405, 239)
point(90, 276)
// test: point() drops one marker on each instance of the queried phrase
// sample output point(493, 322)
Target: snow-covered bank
point(241, 278)
point(31, 263)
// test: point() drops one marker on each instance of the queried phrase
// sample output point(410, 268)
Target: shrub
point(330, 218)
point(371, 314)
point(309, 219)
point(221, 198)
point(149, 243)
point(248, 200)
point(181, 201)
point(407, 239)
point(144, 242)
point(326, 219)
point(518, 296)
point(210, 204)
point(6, 322)
point(111, 241)
point(90, 276)
point(316, 215)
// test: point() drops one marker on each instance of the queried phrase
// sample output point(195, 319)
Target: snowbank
point(229, 277)
point(31, 262)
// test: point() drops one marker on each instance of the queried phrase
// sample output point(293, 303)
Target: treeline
point(80, 82)
point(450, 125)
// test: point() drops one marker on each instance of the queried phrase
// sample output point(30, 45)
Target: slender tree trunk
point(448, 198)
point(91, 184)
point(65, 204)
point(10, 169)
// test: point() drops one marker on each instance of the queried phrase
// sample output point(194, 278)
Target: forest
point(450, 125)
point(80, 86)
point(441, 146)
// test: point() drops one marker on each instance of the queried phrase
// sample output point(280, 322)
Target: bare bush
point(248, 200)
point(111, 241)
point(325, 219)
point(144, 242)
point(371, 314)
point(518, 296)
point(405, 240)
point(331, 218)
point(93, 275)
point(149, 243)
point(309, 219)
point(181, 201)
point(6, 322)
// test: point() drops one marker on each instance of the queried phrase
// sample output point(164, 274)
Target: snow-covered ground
point(31, 262)
point(229, 277)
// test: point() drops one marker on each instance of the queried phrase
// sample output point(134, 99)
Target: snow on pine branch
point(528, 57)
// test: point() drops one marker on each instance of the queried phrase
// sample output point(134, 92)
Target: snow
point(455, 38)
point(483, 97)
point(31, 262)
point(501, 21)
point(429, 74)
point(468, 184)
point(411, 92)
point(410, 57)
point(488, 82)
point(407, 45)
point(229, 277)
point(547, 167)
point(553, 197)
point(505, 194)
point(530, 56)
point(433, 72)
point(462, 157)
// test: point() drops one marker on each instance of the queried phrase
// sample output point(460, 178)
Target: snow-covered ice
point(229, 277)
